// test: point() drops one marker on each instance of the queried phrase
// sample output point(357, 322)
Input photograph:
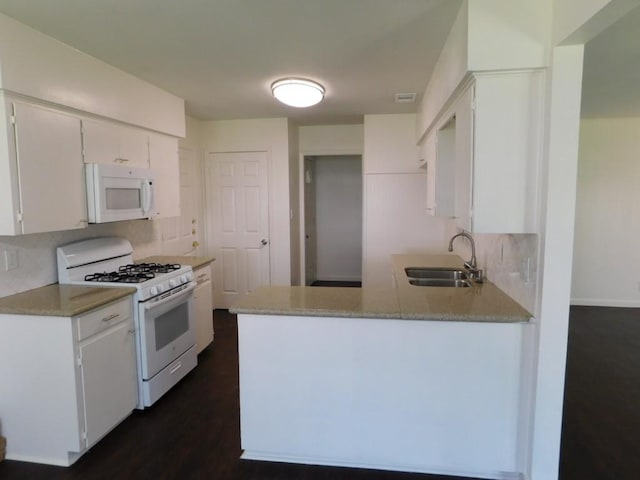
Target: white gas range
point(163, 307)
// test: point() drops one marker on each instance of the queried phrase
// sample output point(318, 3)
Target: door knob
point(263, 242)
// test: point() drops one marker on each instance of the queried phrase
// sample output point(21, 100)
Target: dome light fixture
point(297, 92)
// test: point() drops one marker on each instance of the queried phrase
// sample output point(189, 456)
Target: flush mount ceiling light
point(297, 92)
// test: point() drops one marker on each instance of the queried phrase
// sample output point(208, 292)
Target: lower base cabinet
point(65, 382)
point(203, 296)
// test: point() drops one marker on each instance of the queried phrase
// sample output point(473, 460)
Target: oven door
point(167, 330)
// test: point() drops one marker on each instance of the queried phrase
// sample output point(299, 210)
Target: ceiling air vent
point(405, 97)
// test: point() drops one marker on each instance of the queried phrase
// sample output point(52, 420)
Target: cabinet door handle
point(121, 160)
point(131, 331)
point(175, 368)
point(110, 317)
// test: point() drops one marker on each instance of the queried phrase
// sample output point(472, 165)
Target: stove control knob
point(154, 291)
point(189, 276)
point(173, 282)
point(160, 288)
point(183, 279)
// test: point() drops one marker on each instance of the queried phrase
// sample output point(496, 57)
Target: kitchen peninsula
point(409, 378)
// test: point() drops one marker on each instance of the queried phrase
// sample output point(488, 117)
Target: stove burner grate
point(119, 277)
point(149, 267)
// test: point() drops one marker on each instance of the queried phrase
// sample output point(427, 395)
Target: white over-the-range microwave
point(117, 192)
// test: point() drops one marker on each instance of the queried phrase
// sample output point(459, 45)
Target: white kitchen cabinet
point(72, 380)
point(427, 163)
point(203, 302)
point(41, 165)
point(497, 123)
point(105, 142)
point(165, 163)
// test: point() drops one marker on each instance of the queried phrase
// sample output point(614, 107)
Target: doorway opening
point(332, 209)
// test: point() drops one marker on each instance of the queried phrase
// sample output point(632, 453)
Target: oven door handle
point(171, 298)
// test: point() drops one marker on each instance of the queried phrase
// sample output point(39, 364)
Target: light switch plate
point(10, 259)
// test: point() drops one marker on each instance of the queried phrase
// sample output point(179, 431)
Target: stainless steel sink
point(439, 282)
point(436, 273)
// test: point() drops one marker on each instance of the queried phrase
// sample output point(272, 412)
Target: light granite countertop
point(194, 262)
point(320, 302)
point(482, 302)
point(61, 300)
point(479, 303)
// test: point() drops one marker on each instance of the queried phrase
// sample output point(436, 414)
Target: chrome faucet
point(471, 265)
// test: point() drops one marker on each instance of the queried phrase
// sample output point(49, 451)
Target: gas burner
point(120, 277)
point(149, 268)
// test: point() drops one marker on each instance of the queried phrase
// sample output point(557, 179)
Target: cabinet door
point(464, 137)
point(445, 145)
point(203, 302)
point(166, 167)
point(109, 379)
point(105, 142)
point(52, 185)
point(134, 146)
point(428, 164)
point(100, 142)
point(506, 154)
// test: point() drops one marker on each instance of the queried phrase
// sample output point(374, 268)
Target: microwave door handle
point(146, 196)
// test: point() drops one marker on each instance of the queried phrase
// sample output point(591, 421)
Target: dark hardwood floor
point(335, 283)
point(193, 432)
point(601, 417)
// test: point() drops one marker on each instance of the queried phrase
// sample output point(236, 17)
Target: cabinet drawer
point(202, 274)
point(103, 318)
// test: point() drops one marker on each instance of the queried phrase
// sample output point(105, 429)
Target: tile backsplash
point(36, 253)
point(509, 260)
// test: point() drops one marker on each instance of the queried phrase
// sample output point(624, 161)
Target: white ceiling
point(611, 78)
point(222, 55)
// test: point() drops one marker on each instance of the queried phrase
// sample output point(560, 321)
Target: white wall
point(270, 135)
point(294, 204)
point(607, 223)
point(508, 35)
point(395, 198)
point(390, 144)
point(330, 139)
point(448, 72)
point(338, 189)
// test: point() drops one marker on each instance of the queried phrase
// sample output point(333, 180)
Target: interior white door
point(238, 205)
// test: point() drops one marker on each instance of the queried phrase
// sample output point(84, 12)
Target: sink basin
point(439, 282)
point(435, 273)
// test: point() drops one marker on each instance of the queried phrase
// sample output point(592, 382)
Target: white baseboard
point(605, 302)
point(270, 457)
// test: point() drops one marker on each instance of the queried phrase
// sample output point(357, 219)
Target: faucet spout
point(472, 264)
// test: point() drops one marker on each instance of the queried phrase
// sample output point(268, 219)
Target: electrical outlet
point(10, 259)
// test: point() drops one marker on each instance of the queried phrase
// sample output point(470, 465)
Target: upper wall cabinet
point(496, 137)
point(43, 180)
point(105, 142)
point(165, 164)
